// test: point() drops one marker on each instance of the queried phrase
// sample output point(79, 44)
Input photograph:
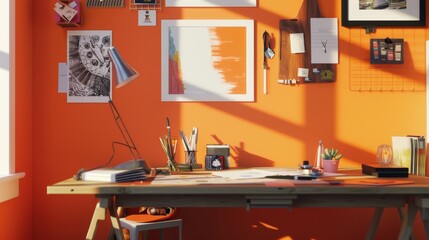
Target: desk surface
point(418, 185)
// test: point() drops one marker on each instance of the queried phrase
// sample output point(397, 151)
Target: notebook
point(114, 175)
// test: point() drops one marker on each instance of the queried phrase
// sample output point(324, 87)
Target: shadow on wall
point(245, 159)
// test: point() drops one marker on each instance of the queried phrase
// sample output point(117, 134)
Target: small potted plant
point(331, 159)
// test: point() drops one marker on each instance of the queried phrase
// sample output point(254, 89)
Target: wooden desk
point(114, 195)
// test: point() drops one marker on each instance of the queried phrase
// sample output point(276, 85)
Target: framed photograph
point(89, 71)
point(210, 3)
point(207, 60)
point(365, 13)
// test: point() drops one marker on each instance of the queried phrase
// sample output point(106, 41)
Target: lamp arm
point(124, 131)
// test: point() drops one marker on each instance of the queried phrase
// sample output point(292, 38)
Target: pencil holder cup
point(384, 154)
point(190, 157)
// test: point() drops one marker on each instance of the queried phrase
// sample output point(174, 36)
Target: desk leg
point(425, 219)
point(374, 223)
point(114, 218)
point(407, 223)
point(401, 216)
point(99, 214)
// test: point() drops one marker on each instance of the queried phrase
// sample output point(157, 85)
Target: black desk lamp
point(124, 75)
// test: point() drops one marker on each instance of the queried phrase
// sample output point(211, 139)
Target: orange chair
point(150, 219)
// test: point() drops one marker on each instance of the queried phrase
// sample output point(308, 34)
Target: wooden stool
point(150, 218)
point(135, 227)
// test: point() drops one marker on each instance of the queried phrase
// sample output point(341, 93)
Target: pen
point(292, 177)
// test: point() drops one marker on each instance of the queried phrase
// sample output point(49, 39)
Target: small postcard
point(303, 72)
point(147, 18)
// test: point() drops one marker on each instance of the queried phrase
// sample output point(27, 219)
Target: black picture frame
point(367, 22)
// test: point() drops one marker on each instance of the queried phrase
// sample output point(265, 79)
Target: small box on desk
point(384, 171)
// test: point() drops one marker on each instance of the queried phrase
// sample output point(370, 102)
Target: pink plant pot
point(331, 165)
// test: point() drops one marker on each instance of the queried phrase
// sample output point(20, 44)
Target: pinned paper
point(303, 72)
point(324, 40)
point(297, 44)
point(62, 77)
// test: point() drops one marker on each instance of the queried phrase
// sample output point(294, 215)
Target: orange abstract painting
point(207, 61)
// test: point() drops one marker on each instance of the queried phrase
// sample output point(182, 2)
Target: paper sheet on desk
point(202, 179)
point(254, 173)
point(290, 183)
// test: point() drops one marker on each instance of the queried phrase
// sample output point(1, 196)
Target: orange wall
point(16, 214)
point(279, 129)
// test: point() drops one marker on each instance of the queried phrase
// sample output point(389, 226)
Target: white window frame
point(9, 180)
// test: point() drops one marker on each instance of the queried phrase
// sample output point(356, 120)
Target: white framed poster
point(207, 60)
point(210, 3)
point(89, 67)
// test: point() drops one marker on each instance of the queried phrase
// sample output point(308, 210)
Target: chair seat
point(134, 227)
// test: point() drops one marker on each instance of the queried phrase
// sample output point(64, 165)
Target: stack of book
point(114, 175)
point(410, 151)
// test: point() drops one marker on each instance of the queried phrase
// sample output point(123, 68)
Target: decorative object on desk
point(90, 76)
point(318, 161)
point(68, 13)
point(219, 150)
point(410, 151)
point(305, 168)
point(387, 51)
point(207, 60)
point(331, 160)
point(124, 75)
point(305, 165)
point(169, 146)
point(379, 170)
point(384, 154)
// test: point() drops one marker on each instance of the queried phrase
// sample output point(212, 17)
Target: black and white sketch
point(89, 78)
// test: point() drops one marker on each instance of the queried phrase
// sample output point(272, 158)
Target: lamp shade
point(124, 72)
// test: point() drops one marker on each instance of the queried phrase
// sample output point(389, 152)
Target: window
point(9, 181)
